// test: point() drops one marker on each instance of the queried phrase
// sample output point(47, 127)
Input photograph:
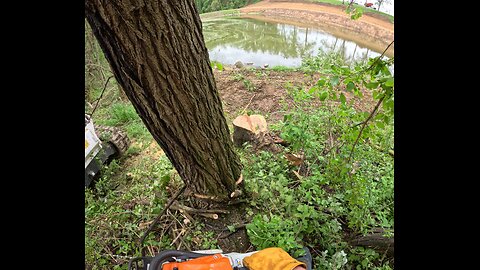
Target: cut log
point(376, 241)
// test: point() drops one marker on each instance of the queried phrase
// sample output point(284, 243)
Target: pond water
point(274, 43)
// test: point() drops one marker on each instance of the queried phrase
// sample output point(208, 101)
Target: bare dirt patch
point(270, 96)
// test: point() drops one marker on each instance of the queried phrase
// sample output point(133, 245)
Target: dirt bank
point(374, 28)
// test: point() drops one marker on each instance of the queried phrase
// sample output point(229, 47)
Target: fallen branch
point(297, 175)
point(210, 198)
point(237, 201)
point(115, 257)
point(181, 240)
point(237, 193)
point(194, 210)
point(176, 238)
point(240, 179)
point(142, 239)
point(208, 215)
point(377, 241)
point(248, 104)
point(187, 217)
point(143, 225)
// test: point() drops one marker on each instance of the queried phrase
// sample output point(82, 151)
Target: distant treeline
point(214, 5)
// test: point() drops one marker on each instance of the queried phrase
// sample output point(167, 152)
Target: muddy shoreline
point(373, 30)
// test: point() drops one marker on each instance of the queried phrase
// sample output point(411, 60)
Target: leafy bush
point(346, 184)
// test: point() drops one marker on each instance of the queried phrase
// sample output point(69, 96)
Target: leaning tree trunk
point(157, 53)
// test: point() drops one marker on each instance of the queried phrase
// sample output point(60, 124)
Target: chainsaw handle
point(163, 256)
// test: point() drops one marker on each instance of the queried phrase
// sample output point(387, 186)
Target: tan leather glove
point(271, 259)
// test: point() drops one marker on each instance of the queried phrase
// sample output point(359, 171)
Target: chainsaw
point(213, 259)
point(199, 260)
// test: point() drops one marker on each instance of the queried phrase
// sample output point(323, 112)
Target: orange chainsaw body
point(214, 262)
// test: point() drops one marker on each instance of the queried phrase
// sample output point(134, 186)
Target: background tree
point(157, 53)
point(380, 2)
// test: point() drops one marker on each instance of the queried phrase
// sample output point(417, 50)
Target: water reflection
point(251, 40)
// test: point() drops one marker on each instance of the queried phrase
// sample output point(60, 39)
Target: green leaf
point(265, 218)
point(323, 95)
point(288, 199)
point(389, 82)
point(312, 90)
point(350, 86)
point(231, 228)
point(357, 92)
point(334, 80)
point(386, 119)
point(380, 124)
point(371, 85)
point(388, 104)
point(321, 82)
point(343, 99)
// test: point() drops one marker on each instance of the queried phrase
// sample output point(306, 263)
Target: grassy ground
point(220, 14)
point(312, 204)
point(320, 202)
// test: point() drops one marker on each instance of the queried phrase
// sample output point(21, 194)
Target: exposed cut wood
point(208, 215)
point(236, 193)
point(254, 129)
point(239, 180)
point(245, 127)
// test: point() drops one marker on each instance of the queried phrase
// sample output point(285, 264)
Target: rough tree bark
point(157, 53)
point(377, 241)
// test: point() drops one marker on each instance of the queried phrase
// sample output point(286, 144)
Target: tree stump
point(253, 129)
point(245, 128)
